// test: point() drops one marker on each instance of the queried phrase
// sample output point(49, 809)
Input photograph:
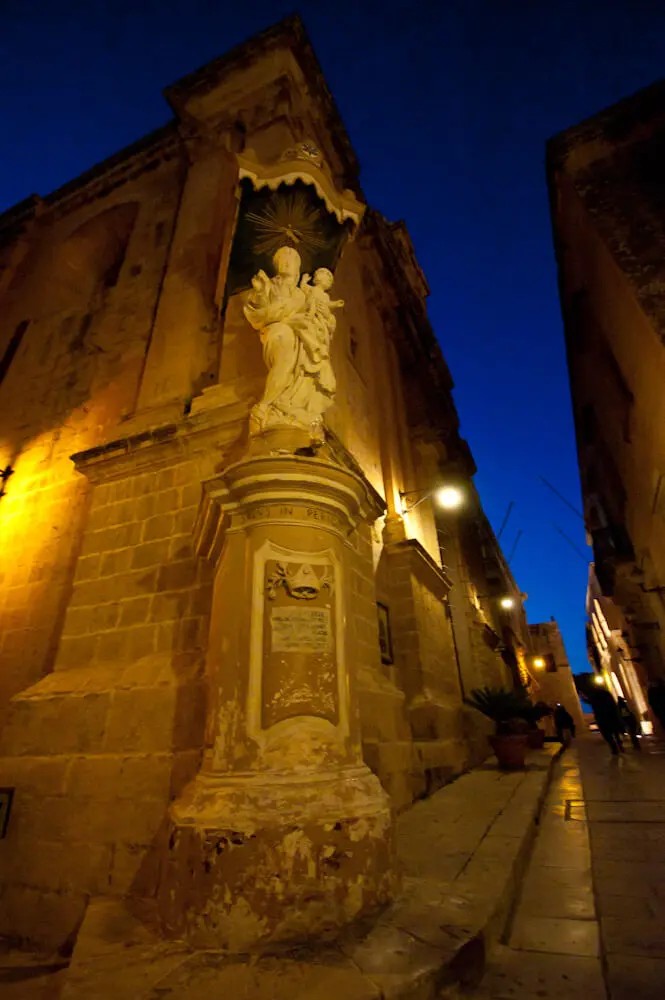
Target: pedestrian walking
point(608, 719)
point(630, 724)
point(656, 696)
point(565, 726)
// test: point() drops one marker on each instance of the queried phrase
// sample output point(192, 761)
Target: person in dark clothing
point(656, 696)
point(565, 726)
point(630, 724)
point(607, 718)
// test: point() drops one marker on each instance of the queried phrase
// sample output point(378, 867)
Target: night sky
point(448, 105)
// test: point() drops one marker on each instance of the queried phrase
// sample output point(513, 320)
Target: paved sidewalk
point(590, 922)
point(552, 947)
point(625, 807)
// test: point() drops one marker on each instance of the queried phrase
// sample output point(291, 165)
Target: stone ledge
point(436, 935)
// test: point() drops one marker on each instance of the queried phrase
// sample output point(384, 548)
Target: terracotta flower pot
point(536, 738)
point(510, 750)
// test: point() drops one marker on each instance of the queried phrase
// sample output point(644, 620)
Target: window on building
point(12, 347)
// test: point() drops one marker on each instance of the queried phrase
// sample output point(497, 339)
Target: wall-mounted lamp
point(539, 663)
point(447, 497)
point(598, 679)
point(506, 603)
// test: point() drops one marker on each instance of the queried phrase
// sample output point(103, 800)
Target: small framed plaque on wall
point(385, 637)
point(6, 798)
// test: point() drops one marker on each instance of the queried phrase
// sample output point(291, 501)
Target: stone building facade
point(605, 181)
point(612, 655)
point(550, 673)
point(170, 726)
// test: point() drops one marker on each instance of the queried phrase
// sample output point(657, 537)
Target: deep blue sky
point(448, 105)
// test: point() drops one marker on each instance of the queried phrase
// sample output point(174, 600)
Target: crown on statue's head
point(286, 254)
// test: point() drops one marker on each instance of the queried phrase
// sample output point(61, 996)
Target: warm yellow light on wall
point(539, 663)
point(521, 665)
point(507, 603)
point(601, 618)
point(598, 679)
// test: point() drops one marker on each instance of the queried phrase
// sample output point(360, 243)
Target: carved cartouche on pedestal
point(295, 319)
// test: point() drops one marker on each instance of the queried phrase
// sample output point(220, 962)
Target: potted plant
point(533, 715)
point(507, 709)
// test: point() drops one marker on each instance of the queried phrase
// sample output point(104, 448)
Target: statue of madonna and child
point(296, 323)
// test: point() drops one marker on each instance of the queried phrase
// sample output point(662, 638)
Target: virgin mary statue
point(296, 324)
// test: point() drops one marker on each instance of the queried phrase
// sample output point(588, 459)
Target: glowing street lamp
point(598, 679)
point(539, 663)
point(506, 603)
point(448, 497)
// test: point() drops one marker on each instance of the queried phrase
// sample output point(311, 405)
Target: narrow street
point(590, 919)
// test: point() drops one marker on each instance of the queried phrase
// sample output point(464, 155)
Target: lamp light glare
point(539, 663)
point(507, 603)
point(449, 497)
point(598, 679)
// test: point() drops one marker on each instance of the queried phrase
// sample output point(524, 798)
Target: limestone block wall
point(82, 293)
point(99, 746)
point(39, 539)
point(386, 738)
point(425, 667)
point(617, 363)
point(355, 415)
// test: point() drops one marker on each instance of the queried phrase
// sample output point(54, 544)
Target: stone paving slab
point(626, 814)
point(524, 975)
point(462, 853)
point(632, 978)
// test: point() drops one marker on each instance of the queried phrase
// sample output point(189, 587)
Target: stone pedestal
point(285, 833)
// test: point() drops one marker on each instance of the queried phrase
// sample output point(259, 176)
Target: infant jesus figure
point(319, 303)
point(318, 327)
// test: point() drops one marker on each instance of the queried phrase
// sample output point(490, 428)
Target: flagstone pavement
point(590, 919)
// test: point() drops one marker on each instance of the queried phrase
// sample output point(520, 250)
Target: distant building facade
point(550, 676)
point(232, 615)
point(611, 654)
point(605, 182)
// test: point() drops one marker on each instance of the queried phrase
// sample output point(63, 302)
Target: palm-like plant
point(507, 709)
point(537, 712)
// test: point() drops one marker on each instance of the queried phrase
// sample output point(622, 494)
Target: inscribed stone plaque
point(301, 630)
point(299, 642)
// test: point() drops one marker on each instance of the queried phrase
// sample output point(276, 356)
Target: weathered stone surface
point(523, 975)
point(554, 934)
point(131, 390)
point(432, 937)
point(33, 980)
point(630, 977)
point(285, 833)
point(327, 978)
